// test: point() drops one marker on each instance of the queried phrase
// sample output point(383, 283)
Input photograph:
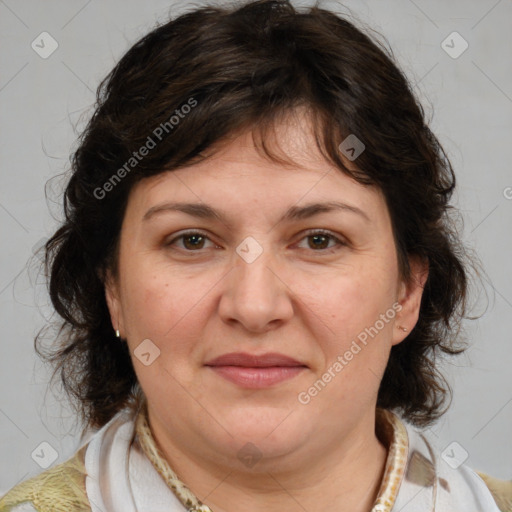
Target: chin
point(274, 432)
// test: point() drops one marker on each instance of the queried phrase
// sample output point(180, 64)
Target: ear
point(113, 302)
point(409, 297)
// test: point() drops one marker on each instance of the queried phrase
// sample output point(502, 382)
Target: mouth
point(256, 371)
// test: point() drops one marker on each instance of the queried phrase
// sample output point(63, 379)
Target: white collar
point(121, 478)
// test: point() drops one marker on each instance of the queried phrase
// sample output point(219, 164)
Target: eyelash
point(339, 243)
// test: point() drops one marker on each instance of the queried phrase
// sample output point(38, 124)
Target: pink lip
point(252, 371)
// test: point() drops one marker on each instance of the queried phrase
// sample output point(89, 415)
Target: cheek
point(356, 351)
point(158, 303)
point(358, 310)
point(355, 299)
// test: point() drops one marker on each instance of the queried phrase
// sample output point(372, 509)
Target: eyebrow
point(205, 211)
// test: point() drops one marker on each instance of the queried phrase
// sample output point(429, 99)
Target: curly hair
point(245, 67)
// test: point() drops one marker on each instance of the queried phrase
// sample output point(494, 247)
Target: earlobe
point(113, 303)
point(410, 295)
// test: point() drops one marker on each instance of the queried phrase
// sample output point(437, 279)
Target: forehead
point(238, 171)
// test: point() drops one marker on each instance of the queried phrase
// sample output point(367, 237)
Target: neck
point(344, 478)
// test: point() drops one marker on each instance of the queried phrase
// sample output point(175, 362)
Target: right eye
point(192, 241)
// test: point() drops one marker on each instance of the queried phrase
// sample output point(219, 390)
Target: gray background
point(45, 102)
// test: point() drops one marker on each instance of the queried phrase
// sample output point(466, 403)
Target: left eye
point(195, 240)
point(319, 239)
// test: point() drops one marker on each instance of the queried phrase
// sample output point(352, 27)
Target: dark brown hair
point(205, 76)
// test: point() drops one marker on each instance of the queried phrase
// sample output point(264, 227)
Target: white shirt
point(122, 478)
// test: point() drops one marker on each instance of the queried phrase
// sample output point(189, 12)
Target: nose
point(256, 295)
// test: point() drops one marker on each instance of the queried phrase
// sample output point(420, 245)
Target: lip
point(256, 371)
point(253, 360)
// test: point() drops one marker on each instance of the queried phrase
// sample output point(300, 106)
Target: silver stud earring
point(118, 334)
point(402, 328)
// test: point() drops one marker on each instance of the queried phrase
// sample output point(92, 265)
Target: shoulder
point(440, 478)
point(501, 491)
point(61, 488)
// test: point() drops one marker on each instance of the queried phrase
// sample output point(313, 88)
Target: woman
point(256, 274)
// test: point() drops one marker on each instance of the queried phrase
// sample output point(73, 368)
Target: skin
point(294, 298)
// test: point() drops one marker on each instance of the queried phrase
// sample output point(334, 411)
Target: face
point(301, 303)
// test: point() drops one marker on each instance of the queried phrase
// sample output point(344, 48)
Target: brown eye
point(191, 242)
point(320, 240)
